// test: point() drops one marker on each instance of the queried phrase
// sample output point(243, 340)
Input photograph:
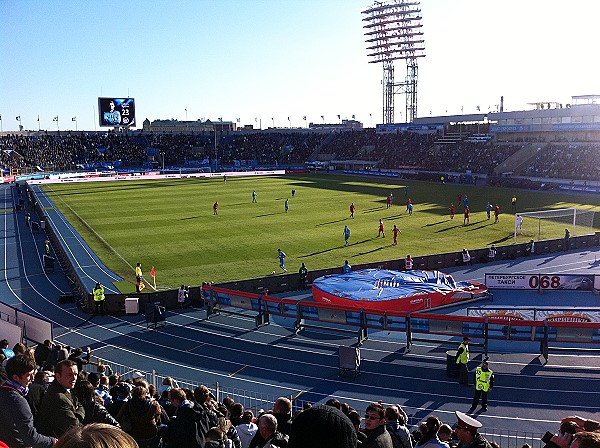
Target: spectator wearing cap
point(466, 432)
point(16, 420)
point(282, 410)
point(136, 375)
point(396, 425)
point(268, 435)
point(377, 435)
point(324, 426)
point(484, 381)
point(462, 359)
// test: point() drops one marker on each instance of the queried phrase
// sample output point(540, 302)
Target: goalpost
point(553, 223)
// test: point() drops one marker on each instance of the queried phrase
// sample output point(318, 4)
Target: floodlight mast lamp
point(393, 31)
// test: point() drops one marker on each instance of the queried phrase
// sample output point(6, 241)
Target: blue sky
point(274, 59)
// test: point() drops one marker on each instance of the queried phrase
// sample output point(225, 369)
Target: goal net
point(552, 224)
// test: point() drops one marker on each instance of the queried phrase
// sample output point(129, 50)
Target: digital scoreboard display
point(114, 112)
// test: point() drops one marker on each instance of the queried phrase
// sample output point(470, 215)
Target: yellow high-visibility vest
point(98, 294)
point(482, 379)
point(463, 358)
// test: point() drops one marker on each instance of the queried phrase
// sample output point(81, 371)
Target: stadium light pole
point(393, 33)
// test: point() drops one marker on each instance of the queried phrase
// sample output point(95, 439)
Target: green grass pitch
point(170, 224)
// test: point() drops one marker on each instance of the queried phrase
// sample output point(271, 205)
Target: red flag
point(152, 272)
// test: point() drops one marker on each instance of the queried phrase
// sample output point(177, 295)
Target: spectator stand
point(256, 401)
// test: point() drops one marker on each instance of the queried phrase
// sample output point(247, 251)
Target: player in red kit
point(395, 231)
point(381, 231)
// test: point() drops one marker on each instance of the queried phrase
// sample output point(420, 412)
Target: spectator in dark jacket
point(60, 410)
point(141, 417)
point(80, 357)
point(268, 434)
point(183, 429)
point(377, 435)
point(282, 410)
point(42, 351)
point(95, 412)
point(16, 420)
point(37, 390)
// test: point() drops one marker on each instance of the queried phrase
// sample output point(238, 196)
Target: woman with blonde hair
point(96, 435)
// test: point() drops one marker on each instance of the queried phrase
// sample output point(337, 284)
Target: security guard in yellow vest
point(484, 381)
point(98, 293)
point(462, 359)
point(139, 278)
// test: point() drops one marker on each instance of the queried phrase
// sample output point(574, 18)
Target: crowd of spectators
point(45, 403)
point(406, 150)
point(580, 161)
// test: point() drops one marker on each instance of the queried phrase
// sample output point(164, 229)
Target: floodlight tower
point(393, 31)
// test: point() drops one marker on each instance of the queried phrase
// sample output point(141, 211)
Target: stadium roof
point(450, 119)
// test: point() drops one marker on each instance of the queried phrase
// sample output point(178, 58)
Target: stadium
point(201, 208)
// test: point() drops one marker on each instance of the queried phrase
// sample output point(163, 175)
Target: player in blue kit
point(281, 255)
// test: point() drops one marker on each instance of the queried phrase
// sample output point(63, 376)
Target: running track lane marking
point(237, 371)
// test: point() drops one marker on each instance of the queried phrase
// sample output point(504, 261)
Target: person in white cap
point(466, 432)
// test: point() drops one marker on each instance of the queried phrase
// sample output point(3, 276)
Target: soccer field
point(170, 224)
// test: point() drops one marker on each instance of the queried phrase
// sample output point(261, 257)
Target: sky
point(262, 61)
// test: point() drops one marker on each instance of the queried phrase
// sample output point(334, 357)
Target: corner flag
point(153, 275)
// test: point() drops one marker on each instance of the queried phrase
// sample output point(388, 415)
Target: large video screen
point(116, 111)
